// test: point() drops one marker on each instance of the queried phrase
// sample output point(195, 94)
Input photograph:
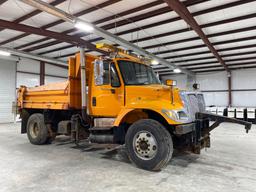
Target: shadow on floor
point(118, 153)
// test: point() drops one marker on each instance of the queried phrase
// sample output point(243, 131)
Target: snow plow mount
point(218, 119)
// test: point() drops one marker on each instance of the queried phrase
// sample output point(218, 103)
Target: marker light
point(177, 70)
point(84, 26)
point(5, 53)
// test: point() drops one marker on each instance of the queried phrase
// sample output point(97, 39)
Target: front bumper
point(198, 126)
point(184, 128)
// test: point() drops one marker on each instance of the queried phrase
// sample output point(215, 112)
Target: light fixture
point(84, 26)
point(177, 70)
point(5, 53)
point(154, 62)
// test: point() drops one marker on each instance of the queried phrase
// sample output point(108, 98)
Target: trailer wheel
point(149, 144)
point(36, 129)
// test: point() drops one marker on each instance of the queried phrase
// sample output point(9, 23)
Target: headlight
point(175, 115)
point(182, 115)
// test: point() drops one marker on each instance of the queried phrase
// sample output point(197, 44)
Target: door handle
point(113, 91)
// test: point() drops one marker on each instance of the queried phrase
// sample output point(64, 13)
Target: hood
point(160, 96)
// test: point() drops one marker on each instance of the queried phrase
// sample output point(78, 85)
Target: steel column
point(42, 72)
point(100, 32)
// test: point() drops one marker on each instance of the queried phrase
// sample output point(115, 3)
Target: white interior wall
point(181, 80)
point(215, 87)
point(15, 72)
point(31, 66)
point(54, 70)
point(7, 90)
point(244, 80)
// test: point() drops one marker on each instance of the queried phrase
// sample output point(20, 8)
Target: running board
point(221, 119)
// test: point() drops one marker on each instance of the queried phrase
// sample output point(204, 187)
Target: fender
point(125, 111)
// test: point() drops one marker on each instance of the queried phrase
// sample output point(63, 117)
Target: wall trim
point(234, 90)
point(32, 73)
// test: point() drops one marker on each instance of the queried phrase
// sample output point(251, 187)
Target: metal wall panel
point(53, 70)
point(7, 90)
point(28, 80)
point(244, 80)
point(28, 65)
point(49, 79)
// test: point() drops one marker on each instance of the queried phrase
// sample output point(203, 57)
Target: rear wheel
point(36, 129)
point(149, 144)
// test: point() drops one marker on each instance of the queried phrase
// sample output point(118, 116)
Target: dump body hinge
point(221, 119)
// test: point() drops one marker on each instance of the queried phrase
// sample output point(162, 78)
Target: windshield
point(137, 74)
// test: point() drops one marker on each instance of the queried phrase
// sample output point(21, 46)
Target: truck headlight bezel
point(177, 115)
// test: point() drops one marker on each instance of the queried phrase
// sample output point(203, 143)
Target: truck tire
point(149, 144)
point(36, 129)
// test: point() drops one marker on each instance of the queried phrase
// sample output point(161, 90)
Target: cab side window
point(115, 82)
point(106, 73)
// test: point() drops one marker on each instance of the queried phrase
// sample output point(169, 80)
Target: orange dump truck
point(119, 100)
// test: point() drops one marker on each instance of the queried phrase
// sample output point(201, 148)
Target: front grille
point(193, 103)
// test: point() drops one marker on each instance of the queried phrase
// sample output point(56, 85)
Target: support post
point(42, 72)
point(83, 84)
point(229, 89)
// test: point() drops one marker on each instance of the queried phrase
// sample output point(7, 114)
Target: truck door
point(107, 96)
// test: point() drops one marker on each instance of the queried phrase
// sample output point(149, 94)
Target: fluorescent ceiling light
point(5, 53)
point(154, 62)
point(84, 26)
point(177, 70)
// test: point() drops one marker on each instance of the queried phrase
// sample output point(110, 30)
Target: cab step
point(100, 128)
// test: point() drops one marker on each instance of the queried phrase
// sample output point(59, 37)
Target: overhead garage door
point(7, 90)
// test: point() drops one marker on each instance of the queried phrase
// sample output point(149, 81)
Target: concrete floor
point(229, 165)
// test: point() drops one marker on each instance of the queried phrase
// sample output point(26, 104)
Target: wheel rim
point(145, 145)
point(34, 130)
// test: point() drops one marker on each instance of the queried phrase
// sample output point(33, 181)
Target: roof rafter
point(102, 5)
point(183, 12)
point(228, 5)
point(115, 24)
point(33, 13)
point(60, 37)
point(2, 1)
point(149, 5)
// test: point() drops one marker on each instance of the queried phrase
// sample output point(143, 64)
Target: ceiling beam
point(198, 46)
point(209, 67)
point(124, 13)
point(100, 32)
point(183, 12)
point(86, 11)
point(33, 13)
point(60, 37)
point(212, 57)
point(214, 70)
point(219, 50)
point(221, 22)
point(2, 1)
point(35, 57)
point(115, 24)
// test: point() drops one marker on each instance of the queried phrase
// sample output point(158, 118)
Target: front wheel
point(149, 144)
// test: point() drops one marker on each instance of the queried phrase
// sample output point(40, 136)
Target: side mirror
point(170, 82)
point(98, 72)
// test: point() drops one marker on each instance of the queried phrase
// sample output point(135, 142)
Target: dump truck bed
point(51, 96)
